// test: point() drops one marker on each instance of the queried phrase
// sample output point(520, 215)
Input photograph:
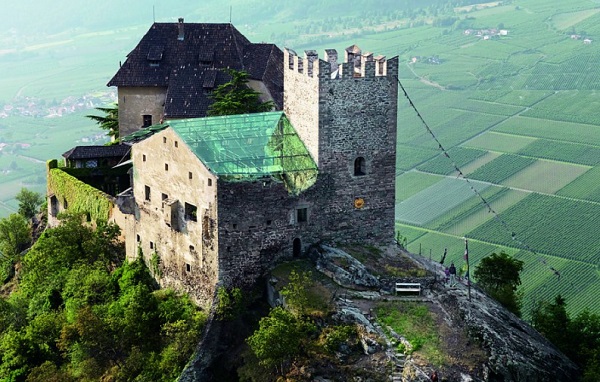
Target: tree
point(109, 121)
point(15, 235)
point(235, 97)
point(499, 276)
point(552, 321)
point(279, 338)
point(296, 292)
point(29, 202)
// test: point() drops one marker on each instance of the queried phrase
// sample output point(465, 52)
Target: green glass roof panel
point(246, 145)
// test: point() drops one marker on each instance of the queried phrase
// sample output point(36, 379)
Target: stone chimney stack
point(180, 27)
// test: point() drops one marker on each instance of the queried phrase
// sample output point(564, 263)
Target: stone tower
point(346, 114)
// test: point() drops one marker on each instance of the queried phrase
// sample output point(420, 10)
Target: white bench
point(408, 287)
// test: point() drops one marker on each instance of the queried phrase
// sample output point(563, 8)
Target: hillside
point(518, 112)
point(390, 336)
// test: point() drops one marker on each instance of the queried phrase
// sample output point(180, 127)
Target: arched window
point(360, 166)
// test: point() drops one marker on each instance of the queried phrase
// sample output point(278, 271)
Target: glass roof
point(245, 147)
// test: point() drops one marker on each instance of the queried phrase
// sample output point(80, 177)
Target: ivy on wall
point(80, 197)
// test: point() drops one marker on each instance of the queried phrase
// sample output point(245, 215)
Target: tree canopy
point(577, 337)
point(109, 121)
point(236, 97)
point(82, 313)
point(499, 276)
point(29, 202)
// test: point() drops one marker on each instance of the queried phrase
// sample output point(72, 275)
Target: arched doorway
point(297, 247)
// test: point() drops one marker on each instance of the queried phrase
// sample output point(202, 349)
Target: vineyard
point(443, 165)
point(501, 168)
point(427, 205)
point(505, 143)
point(538, 218)
point(586, 187)
point(522, 112)
point(577, 106)
point(545, 176)
point(556, 130)
point(563, 151)
point(411, 183)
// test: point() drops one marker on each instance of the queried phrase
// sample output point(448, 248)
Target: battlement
point(356, 64)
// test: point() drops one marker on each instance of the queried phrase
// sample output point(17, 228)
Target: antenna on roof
point(230, 14)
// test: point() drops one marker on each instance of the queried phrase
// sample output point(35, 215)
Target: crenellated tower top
point(356, 64)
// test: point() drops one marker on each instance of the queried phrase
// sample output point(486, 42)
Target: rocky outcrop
point(342, 268)
point(517, 352)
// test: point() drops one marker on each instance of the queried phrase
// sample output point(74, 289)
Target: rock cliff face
point(485, 342)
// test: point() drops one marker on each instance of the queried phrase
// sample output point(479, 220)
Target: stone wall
point(186, 243)
point(357, 118)
point(135, 102)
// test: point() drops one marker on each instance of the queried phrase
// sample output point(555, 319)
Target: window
point(163, 197)
point(360, 166)
point(144, 158)
point(166, 167)
point(192, 248)
point(176, 144)
point(147, 120)
point(191, 212)
point(188, 267)
point(147, 193)
point(151, 245)
point(54, 207)
point(209, 182)
point(301, 215)
point(269, 222)
point(190, 176)
point(164, 139)
point(138, 238)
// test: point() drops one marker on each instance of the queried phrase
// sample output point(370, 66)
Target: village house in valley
point(219, 200)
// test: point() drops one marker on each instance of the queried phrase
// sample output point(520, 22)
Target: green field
point(529, 102)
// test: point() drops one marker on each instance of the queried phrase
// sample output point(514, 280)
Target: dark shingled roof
point(187, 68)
point(92, 152)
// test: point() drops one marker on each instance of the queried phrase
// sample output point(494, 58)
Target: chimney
point(180, 26)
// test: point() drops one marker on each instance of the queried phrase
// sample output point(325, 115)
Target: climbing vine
point(80, 197)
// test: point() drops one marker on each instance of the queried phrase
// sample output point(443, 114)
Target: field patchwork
point(435, 200)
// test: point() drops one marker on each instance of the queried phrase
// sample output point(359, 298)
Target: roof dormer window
point(155, 54)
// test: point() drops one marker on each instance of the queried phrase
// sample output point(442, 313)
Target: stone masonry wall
point(301, 104)
point(134, 102)
point(357, 117)
point(187, 249)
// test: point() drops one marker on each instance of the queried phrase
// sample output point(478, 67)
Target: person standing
point(452, 271)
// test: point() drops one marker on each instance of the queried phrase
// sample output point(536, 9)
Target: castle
point(219, 200)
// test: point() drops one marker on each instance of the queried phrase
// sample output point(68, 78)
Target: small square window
point(147, 193)
point(234, 226)
point(164, 139)
point(176, 144)
point(188, 267)
point(302, 215)
point(166, 167)
point(191, 212)
point(144, 158)
point(209, 182)
point(190, 176)
point(151, 245)
point(269, 222)
point(147, 120)
point(192, 248)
